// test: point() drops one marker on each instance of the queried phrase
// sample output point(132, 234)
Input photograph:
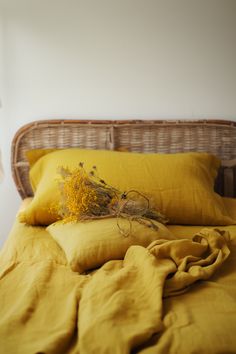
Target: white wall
point(112, 59)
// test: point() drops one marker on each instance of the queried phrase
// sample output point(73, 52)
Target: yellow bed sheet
point(47, 308)
point(203, 320)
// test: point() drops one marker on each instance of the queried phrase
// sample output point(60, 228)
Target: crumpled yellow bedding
point(175, 296)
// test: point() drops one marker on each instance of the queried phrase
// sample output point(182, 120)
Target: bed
point(165, 290)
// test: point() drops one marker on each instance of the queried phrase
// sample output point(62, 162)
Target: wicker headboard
point(215, 136)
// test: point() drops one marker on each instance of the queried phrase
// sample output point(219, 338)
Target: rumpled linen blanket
point(47, 308)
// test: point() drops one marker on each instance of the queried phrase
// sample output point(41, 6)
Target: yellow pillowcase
point(89, 244)
point(35, 154)
point(179, 185)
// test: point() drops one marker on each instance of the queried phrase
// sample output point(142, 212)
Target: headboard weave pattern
point(217, 137)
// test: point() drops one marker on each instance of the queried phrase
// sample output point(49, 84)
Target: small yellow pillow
point(180, 185)
point(89, 244)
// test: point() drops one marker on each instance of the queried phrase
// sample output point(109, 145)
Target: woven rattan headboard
point(217, 137)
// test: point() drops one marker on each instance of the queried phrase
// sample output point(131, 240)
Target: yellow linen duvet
point(174, 296)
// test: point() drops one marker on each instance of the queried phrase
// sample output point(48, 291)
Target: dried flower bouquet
point(87, 196)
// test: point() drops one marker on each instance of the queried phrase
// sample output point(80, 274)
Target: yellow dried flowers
point(87, 196)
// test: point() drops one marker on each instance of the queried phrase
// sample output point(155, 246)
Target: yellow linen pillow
point(179, 185)
point(35, 154)
point(91, 243)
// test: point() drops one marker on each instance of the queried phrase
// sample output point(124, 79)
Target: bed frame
point(147, 136)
